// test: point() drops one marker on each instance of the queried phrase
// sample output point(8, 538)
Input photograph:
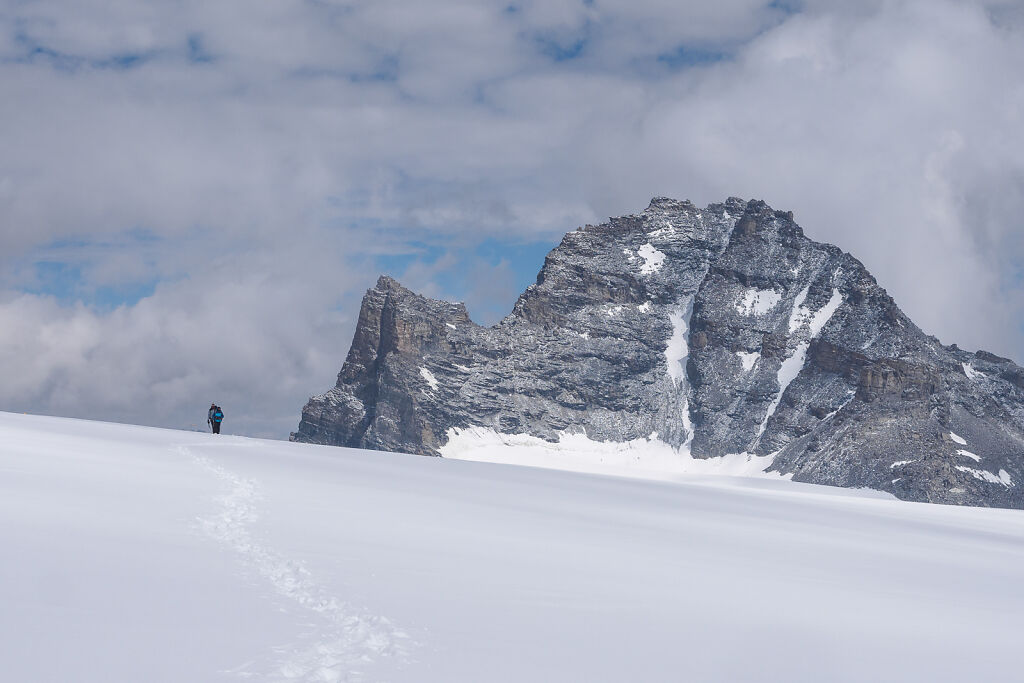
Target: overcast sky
point(195, 194)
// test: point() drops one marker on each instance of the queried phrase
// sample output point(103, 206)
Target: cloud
point(248, 333)
point(232, 175)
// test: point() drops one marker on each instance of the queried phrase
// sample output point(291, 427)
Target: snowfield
point(137, 554)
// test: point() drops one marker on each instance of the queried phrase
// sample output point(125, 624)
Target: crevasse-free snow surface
point(138, 554)
point(720, 331)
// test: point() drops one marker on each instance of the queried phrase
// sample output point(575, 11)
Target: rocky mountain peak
point(716, 331)
point(386, 283)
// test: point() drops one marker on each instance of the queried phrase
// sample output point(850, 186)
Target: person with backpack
point(215, 417)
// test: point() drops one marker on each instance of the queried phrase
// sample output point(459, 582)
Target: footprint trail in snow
point(345, 641)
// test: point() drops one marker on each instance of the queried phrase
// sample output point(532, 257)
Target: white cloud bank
point(252, 337)
point(271, 150)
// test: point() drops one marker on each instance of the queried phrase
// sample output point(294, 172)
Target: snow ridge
point(646, 458)
point(347, 640)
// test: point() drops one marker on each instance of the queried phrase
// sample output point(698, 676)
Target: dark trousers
point(216, 427)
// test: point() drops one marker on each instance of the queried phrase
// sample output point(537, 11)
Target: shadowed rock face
point(723, 330)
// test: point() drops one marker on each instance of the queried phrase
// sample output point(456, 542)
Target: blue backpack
point(218, 415)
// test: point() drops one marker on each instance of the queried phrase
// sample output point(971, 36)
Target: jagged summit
point(720, 330)
point(388, 283)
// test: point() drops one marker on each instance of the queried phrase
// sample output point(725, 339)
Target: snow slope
point(138, 554)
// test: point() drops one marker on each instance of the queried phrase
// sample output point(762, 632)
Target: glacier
point(141, 554)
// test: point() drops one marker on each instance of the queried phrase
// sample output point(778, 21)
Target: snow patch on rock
point(677, 351)
point(1003, 477)
point(836, 411)
point(652, 259)
point(959, 439)
point(667, 230)
point(758, 301)
point(971, 372)
point(821, 318)
point(792, 366)
point(748, 359)
point(429, 377)
point(968, 454)
point(788, 371)
point(802, 315)
point(799, 314)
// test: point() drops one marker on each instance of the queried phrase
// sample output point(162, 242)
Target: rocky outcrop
point(722, 330)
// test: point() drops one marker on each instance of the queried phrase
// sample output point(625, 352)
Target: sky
point(194, 196)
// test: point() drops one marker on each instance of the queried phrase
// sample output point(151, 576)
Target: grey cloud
point(252, 333)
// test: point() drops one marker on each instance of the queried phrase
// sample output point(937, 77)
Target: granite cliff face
point(722, 330)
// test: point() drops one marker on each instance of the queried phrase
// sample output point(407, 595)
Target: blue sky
point(232, 176)
point(488, 276)
point(66, 270)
